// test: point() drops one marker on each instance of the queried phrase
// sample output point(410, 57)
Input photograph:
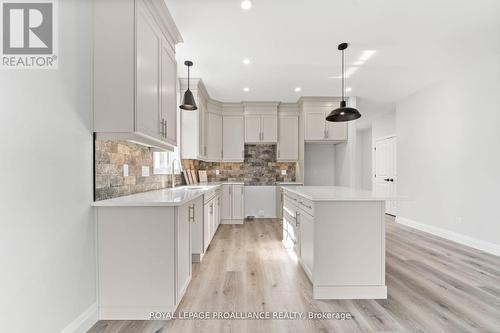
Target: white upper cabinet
point(214, 133)
point(288, 138)
point(253, 131)
point(261, 122)
point(336, 131)
point(314, 124)
point(269, 127)
point(316, 128)
point(135, 72)
point(169, 94)
point(194, 123)
point(148, 43)
point(233, 146)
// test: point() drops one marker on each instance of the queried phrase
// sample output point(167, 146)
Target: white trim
point(452, 236)
point(83, 322)
point(241, 221)
point(350, 292)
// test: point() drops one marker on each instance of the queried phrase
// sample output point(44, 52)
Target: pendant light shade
point(343, 113)
point(188, 102)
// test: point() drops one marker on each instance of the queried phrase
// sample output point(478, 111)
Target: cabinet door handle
point(165, 128)
point(162, 128)
point(191, 213)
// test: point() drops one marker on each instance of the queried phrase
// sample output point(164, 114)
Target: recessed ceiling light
point(367, 54)
point(298, 89)
point(246, 4)
point(348, 89)
point(246, 61)
point(246, 89)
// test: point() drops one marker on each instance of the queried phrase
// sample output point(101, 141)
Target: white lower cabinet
point(233, 207)
point(306, 247)
point(206, 226)
point(143, 258)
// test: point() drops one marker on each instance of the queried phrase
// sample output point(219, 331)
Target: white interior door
point(385, 170)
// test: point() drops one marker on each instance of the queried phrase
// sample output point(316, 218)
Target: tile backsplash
point(110, 156)
point(259, 168)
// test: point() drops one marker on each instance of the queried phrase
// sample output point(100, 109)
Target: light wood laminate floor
point(434, 286)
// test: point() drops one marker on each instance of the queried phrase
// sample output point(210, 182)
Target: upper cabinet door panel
point(269, 128)
point(148, 75)
point(336, 131)
point(253, 132)
point(169, 93)
point(214, 137)
point(288, 141)
point(314, 126)
point(232, 139)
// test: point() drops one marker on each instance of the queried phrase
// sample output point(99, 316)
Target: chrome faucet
point(172, 179)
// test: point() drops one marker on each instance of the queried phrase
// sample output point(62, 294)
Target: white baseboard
point(350, 292)
point(84, 321)
point(232, 221)
point(452, 236)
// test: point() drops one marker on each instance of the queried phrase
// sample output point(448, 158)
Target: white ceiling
point(293, 43)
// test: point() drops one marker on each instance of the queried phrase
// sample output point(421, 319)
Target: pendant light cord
point(342, 75)
point(188, 76)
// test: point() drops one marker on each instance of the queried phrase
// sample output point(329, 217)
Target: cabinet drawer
point(289, 207)
point(306, 205)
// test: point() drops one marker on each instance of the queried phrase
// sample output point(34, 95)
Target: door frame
point(374, 161)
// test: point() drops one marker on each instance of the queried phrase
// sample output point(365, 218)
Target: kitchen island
point(338, 236)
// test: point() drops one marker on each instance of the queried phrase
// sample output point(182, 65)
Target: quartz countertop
point(177, 196)
point(289, 183)
point(337, 193)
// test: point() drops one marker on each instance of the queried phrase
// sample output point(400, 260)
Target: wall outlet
point(125, 170)
point(145, 171)
point(217, 172)
point(283, 172)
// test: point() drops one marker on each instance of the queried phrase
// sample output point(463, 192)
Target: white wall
point(319, 164)
point(448, 139)
point(47, 251)
point(384, 125)
point(260, 201)
point(364, 159)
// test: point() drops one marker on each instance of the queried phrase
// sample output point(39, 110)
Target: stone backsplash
point(110, 156)
point(259, 167)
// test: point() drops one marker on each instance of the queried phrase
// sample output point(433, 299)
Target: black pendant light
point(343, 113)
point(188, 102)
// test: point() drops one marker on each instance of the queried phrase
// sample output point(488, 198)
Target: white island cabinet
point(338, 234)
point(144, 254)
